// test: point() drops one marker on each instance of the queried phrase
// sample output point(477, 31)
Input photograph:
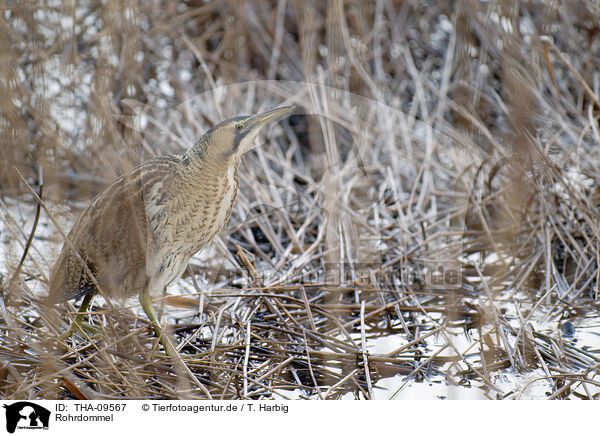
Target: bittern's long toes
point(80, 326)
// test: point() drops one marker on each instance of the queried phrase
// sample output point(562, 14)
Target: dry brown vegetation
point(431, 137)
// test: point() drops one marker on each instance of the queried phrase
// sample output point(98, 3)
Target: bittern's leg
point(146, 302)
point(77, 324)
point(161, 308)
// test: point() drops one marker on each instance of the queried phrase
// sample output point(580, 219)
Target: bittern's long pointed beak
point(259, 120)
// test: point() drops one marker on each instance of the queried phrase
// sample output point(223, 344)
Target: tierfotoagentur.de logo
point(26, 415)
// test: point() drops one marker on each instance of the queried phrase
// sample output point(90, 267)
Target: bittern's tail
point(66, 282)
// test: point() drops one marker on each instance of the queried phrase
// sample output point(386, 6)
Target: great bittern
point(138, 235)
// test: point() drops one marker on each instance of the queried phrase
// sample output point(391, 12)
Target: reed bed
point(429, 214)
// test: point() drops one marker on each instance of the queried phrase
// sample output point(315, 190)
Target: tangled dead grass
point(437, 189)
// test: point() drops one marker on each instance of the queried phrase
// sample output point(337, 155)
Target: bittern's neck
point(206, 160)
point(196, 154)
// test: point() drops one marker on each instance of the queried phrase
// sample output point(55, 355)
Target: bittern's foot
point(166, 342)
point(79, 326)
point(146, 302)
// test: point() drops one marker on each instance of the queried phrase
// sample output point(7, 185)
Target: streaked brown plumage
point(139, 234)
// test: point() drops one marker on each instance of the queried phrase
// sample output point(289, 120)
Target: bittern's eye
point(238, 127)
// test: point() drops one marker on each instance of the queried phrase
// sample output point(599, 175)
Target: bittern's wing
point(111, 236)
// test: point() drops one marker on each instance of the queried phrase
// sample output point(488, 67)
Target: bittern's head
point(230, 139)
